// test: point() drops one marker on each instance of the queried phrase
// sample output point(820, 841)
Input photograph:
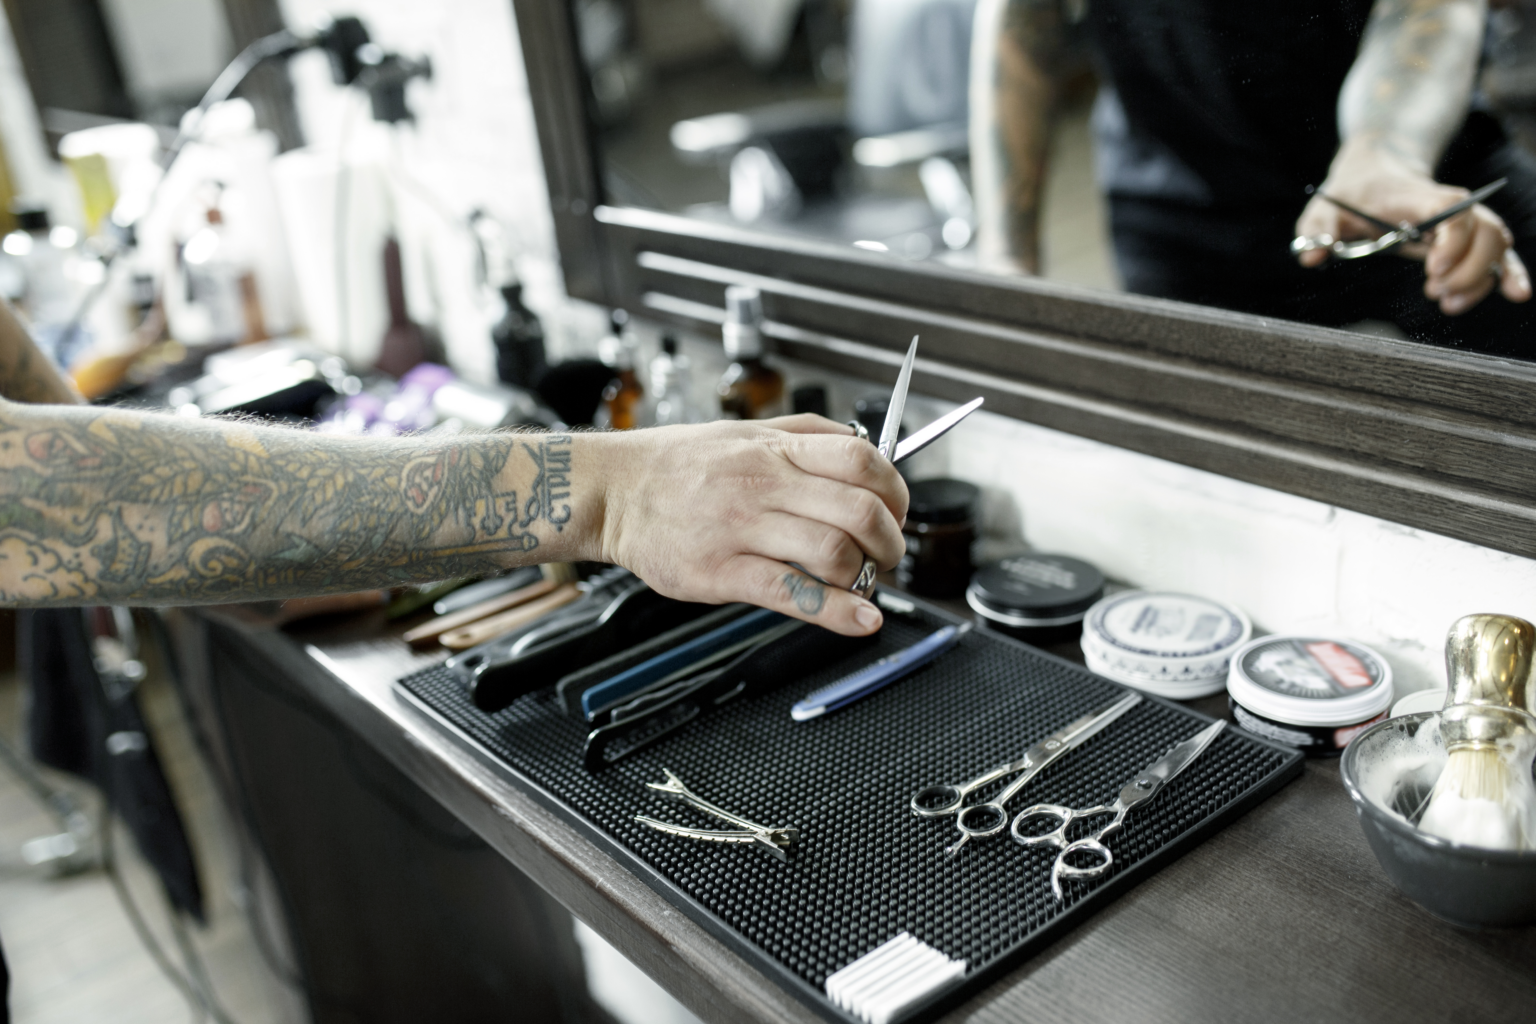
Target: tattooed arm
point(26, 375)
point(1018, 51)
point(1403, 101)
point(103, 506)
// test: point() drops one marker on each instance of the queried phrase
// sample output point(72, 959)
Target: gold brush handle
point(1490, 661)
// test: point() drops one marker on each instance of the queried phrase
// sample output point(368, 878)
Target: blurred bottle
point(750, 389)
point(809, 398)
point(623, 398)
point(669, 384)
point(221, 305)
point(519, 340)
point(42, 256)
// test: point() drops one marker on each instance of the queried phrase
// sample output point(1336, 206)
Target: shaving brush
point(1485, 795)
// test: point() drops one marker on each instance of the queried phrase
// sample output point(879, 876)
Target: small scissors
point(864, 585)
point(1146, 785)
point(1395, 234)
point(988, 819)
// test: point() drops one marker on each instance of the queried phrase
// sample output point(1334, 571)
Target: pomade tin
point(1028, 594)
point(1315, 693)
point(1173, 645)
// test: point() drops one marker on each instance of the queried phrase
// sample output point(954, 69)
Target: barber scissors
point(981, 820)
point(1146, 785)
point(1393, 234)
point(896, 452)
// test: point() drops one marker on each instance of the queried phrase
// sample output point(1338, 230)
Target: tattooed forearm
point(1019, 51)
point(26, 375)
point(808, 595)
point(106, 506)
point(1410, 86)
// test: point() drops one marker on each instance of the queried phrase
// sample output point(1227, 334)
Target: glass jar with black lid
point(941, 528)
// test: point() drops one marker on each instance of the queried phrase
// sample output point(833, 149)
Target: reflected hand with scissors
point(1372, 195)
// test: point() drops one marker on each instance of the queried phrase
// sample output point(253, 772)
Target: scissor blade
point(1075, 734)
point(1368, 218)
point(1451, 211)
point(935, 430)
point(892, 429)
point(1179, 758)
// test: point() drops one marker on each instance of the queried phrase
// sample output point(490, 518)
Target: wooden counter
point(1283, 916)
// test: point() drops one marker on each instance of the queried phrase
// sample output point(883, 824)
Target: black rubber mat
point(866, 868)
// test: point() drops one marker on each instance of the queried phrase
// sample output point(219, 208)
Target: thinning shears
point(1392, 235)
point(981, 820)
point(1146, 785)
point(897, 451)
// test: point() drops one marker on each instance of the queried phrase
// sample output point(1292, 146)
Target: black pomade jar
point(941, 527)
point(1040, 599)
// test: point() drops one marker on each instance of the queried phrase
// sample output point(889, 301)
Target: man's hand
point(1464, 258)
point(717, 512)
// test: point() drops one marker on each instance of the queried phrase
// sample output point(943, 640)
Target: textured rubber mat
point(866, 868)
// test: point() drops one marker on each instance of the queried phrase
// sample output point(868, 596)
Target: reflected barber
point(1215, 123)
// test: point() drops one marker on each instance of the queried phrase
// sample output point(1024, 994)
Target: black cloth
point(1214, 119)
point(79, 724)
point(5, 990)
point(1225, 106)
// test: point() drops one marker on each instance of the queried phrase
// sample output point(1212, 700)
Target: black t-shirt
point(1221, 104)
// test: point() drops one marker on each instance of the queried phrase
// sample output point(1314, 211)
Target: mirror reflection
point(1348, 163)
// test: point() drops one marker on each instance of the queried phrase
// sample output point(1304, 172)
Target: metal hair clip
point(776, 841)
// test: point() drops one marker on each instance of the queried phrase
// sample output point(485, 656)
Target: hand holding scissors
point(1146, 785)
point(1467, 249)
point(864, 585)
point(1393, 235)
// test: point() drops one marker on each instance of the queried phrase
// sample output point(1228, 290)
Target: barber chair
point(793, 165)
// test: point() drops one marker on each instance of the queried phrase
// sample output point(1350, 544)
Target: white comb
point(882, 984)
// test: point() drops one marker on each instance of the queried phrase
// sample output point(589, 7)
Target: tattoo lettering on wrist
point(808, 595)
point(103, 506)
point(552, 457)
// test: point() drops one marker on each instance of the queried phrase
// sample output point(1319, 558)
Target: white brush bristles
point(1471, 803)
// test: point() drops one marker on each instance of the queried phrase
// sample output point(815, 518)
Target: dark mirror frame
point(1428, 437)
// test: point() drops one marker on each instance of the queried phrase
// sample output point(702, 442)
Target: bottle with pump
point(750, 389)
point(623, 398)
point(669, 385)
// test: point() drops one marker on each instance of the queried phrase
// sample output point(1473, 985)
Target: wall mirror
point(804, 147)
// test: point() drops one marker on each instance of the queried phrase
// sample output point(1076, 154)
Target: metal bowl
point(1466, 885)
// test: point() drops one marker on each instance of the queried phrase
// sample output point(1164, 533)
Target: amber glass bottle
point(749, 389)
point(623, 398)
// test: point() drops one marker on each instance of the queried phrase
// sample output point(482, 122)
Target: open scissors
point(1393, 234)
point(988, 819)
point(864, 585)
point(1146, 785)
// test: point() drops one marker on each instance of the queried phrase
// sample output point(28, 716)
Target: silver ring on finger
point(1496, 268)
point(864, 585)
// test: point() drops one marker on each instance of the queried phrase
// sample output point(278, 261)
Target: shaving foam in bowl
point(1310, 692)
point(1173, 645)
point(1389, 771)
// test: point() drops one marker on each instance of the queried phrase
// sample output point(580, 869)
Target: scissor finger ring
point(1055, 837)
point(1061, 869)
